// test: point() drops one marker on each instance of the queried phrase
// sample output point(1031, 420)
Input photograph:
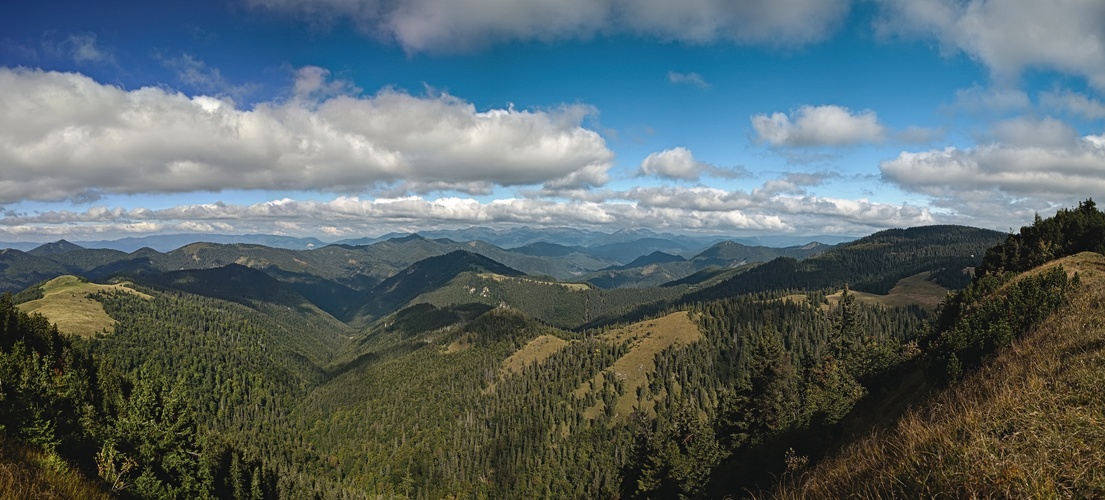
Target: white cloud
point(1009, 36)
point(64, 135)
point(693, 79)
point(1074, 103)
point(977, 182)
point(812, 126)
point(679, 163)
point(452, 25)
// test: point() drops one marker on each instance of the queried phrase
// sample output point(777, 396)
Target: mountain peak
point(56, 248)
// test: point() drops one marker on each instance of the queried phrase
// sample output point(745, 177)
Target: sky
point(349, 118)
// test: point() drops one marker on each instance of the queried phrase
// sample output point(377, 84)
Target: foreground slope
point(1028, 424)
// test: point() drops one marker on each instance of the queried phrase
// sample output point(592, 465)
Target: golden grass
point(1029, 424)
point(65, 302)
point(26, 474)
point(916, 289)
point(571, 287)
point(646, 339)
point(533, 353)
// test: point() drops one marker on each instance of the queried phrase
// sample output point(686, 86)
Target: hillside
point(22, 476)
point(19, 270)
point(559, 304)
point(424, 276)
point(1026, 425)
point(65, 302)
point(871, 264)
point(658, 267)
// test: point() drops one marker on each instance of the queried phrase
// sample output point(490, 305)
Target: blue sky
point(345, 118)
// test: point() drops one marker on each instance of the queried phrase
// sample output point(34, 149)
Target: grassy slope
point(646, 339)
point(30, 474)
point(1027, 425)
point(65, 302)
point(916, 289)
point(533, 353)
point(559, 304)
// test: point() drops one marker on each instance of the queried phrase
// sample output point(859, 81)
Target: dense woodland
point(231, 382)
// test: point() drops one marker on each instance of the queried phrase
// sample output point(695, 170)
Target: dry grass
point(65, 302)
point(571, 287)
point(1029, 424)
point(916, 289)
point(533, 353)
point(26, 474)
point(646, 339)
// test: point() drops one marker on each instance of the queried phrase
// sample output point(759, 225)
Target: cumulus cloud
point(64, 135)
point(1039, 172)
point(451, 25)
point(1009, 35)
point(680, 164)
point(693, 79)
point(812, 126)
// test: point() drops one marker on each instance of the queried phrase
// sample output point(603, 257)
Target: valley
point(460, 374)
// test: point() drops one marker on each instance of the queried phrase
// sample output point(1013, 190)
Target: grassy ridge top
point(645, 340)
point(65, 302)
point(1026, 425)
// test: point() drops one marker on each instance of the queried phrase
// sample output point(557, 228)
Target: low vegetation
point(1026, 425)
point(66, 301)
point(28, 473)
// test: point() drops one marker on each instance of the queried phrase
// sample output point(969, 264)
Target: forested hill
point(227, 382)
point(424, 276)
point(871, 264)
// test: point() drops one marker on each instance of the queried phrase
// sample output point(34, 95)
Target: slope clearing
point(65, 302)
point(533, 353)
point(918, 289)
point(1027, 425)
point(645, 340)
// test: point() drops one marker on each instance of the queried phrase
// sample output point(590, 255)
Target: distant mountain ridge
point(505, 238)
point(661, 267)
point(427, 275)
point(356, 284)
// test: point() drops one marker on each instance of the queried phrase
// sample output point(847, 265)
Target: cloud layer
point(779, 206)
point(65, 136)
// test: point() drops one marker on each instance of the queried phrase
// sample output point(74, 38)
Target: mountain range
point(505, 238)
point(432, 367)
